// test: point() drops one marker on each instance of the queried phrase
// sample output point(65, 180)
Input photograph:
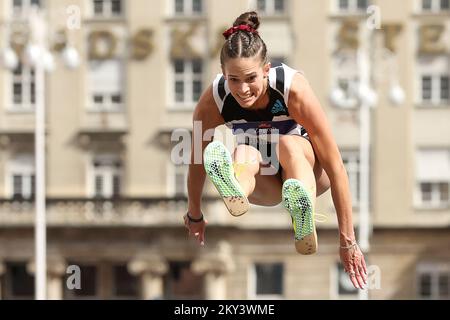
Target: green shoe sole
point(219, 168)
point(298, 203)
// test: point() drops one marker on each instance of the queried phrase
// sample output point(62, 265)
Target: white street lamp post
point(39, 34)
point(38, 56)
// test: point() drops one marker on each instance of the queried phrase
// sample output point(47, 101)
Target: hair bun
point(250, 19)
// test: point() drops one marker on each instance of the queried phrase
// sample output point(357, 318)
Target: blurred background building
point(115, 200)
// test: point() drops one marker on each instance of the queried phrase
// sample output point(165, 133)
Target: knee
point(244, 154)
point(289, 149)
point(246, 160)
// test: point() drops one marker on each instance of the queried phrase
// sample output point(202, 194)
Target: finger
point(353, 279)
point(357, 267)
point(352, 275)
point(362, 272)
point(363, 262)
point(358, 270)
point(359, 280)
point(201, 238)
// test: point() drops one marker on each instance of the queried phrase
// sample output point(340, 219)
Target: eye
point(233, 79)
point(251, 79)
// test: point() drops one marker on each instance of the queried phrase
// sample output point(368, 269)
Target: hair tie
point(241, 27)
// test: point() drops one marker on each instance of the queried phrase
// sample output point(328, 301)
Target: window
point(107, 8)
point(434, 81)
point(182, 283)
point(433, 281)
point(268, 280)
point(435, 89)
point(271, 7)
point(426, 88)
point(187, 82)
point(188, 7)
point(352, 5)
point(21, 176)
point(21, 7)
point(102, 280)
point(23, 89)
point(106, 85)
point(106, 176)
point(126, 285)
point(433, 178)
point(351, 163)
point(444, 86)
point(435, 5)
point(18, 283)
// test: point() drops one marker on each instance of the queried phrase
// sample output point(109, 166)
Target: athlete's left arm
point(305, 108)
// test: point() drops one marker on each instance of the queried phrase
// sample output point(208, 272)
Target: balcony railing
point(134, 212)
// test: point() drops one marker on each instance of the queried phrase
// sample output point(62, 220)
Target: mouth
point(246, 97)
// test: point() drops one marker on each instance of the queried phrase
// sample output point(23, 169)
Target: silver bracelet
point(350, 246)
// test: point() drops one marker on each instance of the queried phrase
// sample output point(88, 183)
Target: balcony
point(135, 212)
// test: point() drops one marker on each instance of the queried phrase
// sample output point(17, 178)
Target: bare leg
point(297, 158)
point(246, 165)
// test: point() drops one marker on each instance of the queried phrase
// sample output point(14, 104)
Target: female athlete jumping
point(285, 149)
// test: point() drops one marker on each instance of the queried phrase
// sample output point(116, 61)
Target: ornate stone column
point(215, 266)
point(56, 269)
point(151, 269)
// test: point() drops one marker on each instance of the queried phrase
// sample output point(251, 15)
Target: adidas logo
point(277, 107)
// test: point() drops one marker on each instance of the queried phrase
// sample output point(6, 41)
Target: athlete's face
point(247, 80)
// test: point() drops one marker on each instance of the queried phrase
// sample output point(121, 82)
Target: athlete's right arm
point(206, 115)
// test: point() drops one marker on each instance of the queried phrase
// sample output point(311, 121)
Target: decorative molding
point(152, 263)
point(219, 261)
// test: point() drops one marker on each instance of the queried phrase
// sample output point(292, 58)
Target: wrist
point(346, 239)
point(194, 211)
point(194, 219)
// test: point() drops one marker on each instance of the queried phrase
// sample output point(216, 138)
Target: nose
point(243, 88)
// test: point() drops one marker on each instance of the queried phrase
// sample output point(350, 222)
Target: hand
point(197, 229)
point(354, 265)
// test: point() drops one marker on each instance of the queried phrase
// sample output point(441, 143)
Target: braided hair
point(243, 40)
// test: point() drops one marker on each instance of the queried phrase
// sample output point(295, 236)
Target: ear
point(223, 72)
point(266, 69)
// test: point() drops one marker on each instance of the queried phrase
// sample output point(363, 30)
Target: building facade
point(115, 197)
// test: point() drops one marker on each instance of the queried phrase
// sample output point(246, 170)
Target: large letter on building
point(142, 44)
point(348, 36)
point(429, 39)
point(96, 38)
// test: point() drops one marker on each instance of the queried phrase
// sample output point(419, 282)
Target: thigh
point(267, 190)
point(294, 143)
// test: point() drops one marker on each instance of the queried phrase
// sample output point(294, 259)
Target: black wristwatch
point(193, 219)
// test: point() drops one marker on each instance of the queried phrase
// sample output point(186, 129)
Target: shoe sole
point(219, 168)
point(297, 202)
